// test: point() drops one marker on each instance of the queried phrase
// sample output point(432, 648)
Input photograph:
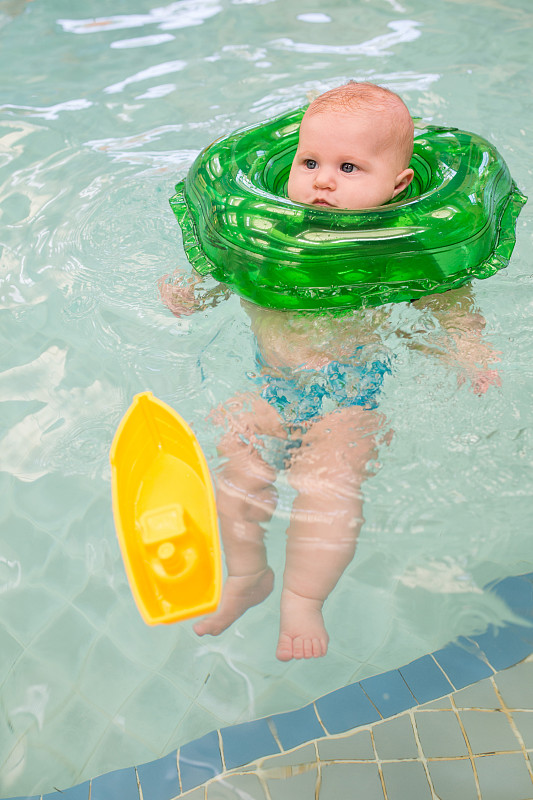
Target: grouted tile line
point(378, 764)
point(178, 769)
point(221, 749)
point(274, 731)
point(190, 791)
point(468, 747)
point(259, 773)
point(508, 713)
point(381, 717)
point(318, 782)
point(141, 797)
point(421, 755)
point(319, 718)
point(482, 655)
point(432, 656)
point(408, 687)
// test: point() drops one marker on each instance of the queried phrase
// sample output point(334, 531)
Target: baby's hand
point(481, 380)
point(179, 297)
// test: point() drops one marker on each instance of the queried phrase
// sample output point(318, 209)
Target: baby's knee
point(241, 500)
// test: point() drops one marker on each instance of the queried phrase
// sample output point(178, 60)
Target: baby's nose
point(324, 178)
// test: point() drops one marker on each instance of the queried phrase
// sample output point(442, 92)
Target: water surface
point(103, 108)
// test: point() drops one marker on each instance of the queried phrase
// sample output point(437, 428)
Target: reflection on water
point(102, 112)
point(183, 14)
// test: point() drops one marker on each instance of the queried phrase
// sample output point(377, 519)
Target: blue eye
point(347, 167)
point(310, 163)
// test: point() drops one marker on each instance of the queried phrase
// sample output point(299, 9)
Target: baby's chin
point(332, 207)
point(321, 202)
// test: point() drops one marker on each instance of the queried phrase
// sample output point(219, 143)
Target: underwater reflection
point(314, 416)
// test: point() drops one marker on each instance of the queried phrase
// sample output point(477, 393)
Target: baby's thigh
point(248, 415)
point(246, 420)
point(336, 450)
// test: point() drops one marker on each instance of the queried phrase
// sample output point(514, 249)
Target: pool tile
point(346, 708)
point(453, 780)
point(159, 779)
point(246, 742)
point(79, 792)
point(504, 776)
point(54, 795)
point(236, 786)
point(199, 761)
point(339, 780)
point(440, 734)
point(395, 738)
point(407, 779)
point(524, 723)
point(425, 679)
point(357, 747)
point(488, 731)
point(505, 646)
point(462, 664)
point(303, 755)
point(479, 695)
point(301, 786)
point(437, 705)
point(121, 783)
point(297, 727)
point(389, 693)
point(517, 592)
point(516, 685)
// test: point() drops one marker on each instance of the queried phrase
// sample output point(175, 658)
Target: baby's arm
point(466, 347)
point(185, 294)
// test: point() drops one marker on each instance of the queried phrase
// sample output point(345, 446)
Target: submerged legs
point(246, 499)
point(326, 518)
point(327, 471)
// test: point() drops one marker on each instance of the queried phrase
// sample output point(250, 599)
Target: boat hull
point(165, 514)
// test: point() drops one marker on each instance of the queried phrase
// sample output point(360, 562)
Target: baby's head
point(355, 145)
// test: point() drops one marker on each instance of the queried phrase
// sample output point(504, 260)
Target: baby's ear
point(403, 180)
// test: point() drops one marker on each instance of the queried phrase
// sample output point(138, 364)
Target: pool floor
point(456, 723)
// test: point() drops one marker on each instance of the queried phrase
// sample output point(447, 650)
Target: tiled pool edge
point(461, 663)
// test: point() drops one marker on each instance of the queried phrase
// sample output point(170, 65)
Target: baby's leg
point(327, 471)
point(246, 499)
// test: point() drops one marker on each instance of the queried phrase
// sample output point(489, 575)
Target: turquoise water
point(102, 111)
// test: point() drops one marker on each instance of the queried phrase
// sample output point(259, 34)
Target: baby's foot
point(240, 592)
point(302, 632)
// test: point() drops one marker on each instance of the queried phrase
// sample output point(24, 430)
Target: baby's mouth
point(321, 202)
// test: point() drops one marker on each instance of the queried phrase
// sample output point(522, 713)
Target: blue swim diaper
point(307, 393)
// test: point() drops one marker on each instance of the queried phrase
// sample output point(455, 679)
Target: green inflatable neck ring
point(455, 222)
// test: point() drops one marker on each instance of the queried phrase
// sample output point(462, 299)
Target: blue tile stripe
point(345, 709)
point(199, 761)
point(296, 727)
point(426, 679)
point(461, 663)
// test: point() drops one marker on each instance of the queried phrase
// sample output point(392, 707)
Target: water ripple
point(142, 41)
point(166, 68)
point(182, 14)
point(286, 98)
point(402, 31)
point(46, 112)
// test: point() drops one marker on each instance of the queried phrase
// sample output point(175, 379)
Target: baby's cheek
point(294, 189)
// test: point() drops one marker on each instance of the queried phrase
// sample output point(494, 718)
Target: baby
point(354, 149)
point(321, 375)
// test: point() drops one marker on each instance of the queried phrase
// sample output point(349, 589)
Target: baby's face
point(341, 162)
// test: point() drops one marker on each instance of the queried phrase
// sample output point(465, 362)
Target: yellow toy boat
point(165, 513)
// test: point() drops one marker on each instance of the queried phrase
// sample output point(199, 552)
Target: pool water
point(103, 109)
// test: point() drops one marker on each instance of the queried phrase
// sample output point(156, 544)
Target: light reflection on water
point(100, 117)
